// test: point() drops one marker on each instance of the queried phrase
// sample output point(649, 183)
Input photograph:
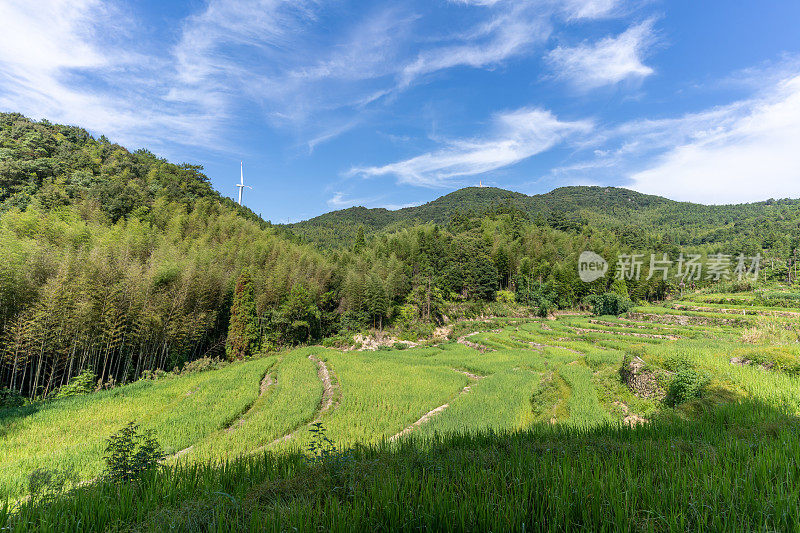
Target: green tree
point(243, 328)
point(378, 301)
point(299, 317)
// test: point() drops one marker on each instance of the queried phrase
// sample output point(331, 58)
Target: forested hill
point(570, 208)
point(120, 261)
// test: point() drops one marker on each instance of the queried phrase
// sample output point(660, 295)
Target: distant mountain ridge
point(613, 207)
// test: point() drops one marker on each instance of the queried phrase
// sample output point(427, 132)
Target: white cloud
point(508, 34)
point(516, 135)
point(606, 62)
point(746, 152)
point(74, 62)
point(340, 200)
point(85, 62)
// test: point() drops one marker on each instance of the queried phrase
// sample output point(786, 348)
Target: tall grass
point(70, 433)
point(672, 475)
point(535, 443)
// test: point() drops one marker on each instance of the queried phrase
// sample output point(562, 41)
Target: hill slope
point(618, 209)
point(120, 261)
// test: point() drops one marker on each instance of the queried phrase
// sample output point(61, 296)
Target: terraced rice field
point(556, 383)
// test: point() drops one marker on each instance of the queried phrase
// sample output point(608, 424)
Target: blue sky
point(333, 103)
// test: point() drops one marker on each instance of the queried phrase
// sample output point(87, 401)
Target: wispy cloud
point(589, 9)
point(76, 62)
point(515, 136)
point(341, 200)
point(747, 151)
point(314, 85)
point(84, 62)
point(510, 32)
point(606, 62)
point(739, 152)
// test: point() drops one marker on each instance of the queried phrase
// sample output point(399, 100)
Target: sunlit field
point(523, 424)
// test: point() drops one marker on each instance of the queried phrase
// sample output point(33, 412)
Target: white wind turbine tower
point(241, 184)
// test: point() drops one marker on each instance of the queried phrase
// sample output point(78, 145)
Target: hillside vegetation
point(628, 214)
point(668, 419)
point(118, 263)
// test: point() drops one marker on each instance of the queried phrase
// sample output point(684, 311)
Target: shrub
point(130, 452)
point(201, 365)
point(83, 383)
point(321, 446)
point(338, 341)
point(406, 315)
point(154, 375)
point(10, 398)
point(542, 296)
point(505, 296)
point(609, 303)
point(686, 385)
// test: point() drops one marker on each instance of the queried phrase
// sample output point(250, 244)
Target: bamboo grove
point(120, 288)
point(121, 263)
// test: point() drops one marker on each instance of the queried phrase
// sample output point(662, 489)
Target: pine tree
point(378, 301)
point(243, 328)
point(360, 241)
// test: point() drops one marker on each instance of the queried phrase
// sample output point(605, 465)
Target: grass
point(550, 478)
point(278, 412)
point(536, 441)
point(71, 433)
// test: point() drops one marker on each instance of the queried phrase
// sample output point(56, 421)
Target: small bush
point(686, 385)
point(338, 341)
point(201, 365)
point(677, 362)
point(10, 398)
point(321, 446)
point(130, 452)
point(154, 375)
point(507, 297)
point(83, 383)
point(609, 303)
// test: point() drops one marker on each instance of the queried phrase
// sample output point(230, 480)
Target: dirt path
point(266, 383)
point(474, 345)
point(327, 402)
point(540, 345)
point(433, 412)
point(629, 334)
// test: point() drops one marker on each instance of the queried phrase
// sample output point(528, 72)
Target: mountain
point(122, 263)
point(569, 208)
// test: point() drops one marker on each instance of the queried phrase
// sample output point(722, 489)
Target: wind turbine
point(241, 184)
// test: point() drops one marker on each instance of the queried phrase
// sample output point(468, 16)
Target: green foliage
point(129, 453)
point(10, 398)
point(506, 296)
point(406, 315)
point(619, 287)
point(298, 319)
point(243, 329)
point(122, 261)
point(83, 383)
point(609, 303)
point(686, 385)
point(542, 296)
point(321, 447)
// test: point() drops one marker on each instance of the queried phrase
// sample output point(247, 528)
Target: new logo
point(591, 266)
